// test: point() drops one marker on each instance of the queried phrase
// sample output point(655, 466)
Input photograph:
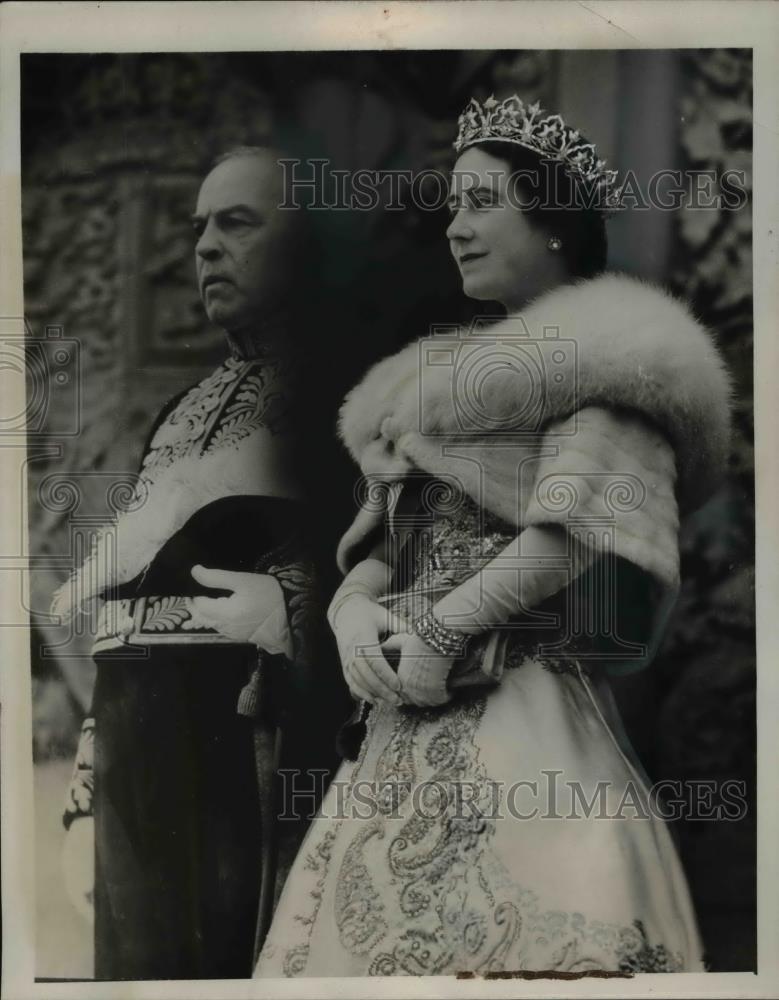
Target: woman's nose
point(458, 228)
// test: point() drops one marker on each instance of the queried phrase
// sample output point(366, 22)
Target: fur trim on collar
point(621, 344)
point(123, 550)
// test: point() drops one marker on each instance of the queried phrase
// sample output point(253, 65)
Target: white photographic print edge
point(209, 27)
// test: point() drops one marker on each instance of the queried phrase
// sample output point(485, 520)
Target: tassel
point(249, 698)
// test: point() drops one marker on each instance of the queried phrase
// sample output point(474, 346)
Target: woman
point(472, 833)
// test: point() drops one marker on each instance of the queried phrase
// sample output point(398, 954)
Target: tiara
point(529, 126)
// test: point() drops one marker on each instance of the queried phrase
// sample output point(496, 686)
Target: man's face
point(244, 251)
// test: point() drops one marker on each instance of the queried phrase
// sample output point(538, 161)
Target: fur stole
point(603, 377)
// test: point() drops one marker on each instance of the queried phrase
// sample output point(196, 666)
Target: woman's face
point(501, 255)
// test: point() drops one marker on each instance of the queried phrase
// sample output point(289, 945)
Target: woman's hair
point(554, 202)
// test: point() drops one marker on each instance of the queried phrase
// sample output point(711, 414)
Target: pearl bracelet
point(443, 640)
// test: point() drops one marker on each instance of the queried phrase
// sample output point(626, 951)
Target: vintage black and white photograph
point(390, 511)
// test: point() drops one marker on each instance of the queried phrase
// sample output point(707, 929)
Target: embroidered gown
point(512, 828)
point(448, 845)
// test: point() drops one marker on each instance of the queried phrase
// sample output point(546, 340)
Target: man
point(212, 666)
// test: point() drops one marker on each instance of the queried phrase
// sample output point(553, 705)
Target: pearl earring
point(555, 244)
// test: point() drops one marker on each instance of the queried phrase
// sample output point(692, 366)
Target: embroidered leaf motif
point(184, 430)
point(164, 614)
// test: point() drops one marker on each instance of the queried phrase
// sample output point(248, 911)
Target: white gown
point(460, 840)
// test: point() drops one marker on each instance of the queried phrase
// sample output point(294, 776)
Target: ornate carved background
point(708, 666)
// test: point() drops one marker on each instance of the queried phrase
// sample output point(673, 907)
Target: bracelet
point(443, 640)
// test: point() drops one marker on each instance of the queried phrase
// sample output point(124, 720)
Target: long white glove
point(536, 564)
point(485, 600)
point(360, 624)
point(422, 671)
point(254, 612)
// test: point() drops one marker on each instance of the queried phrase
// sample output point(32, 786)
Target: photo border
point(468, 24)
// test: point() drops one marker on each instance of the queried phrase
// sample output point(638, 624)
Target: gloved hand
point(359, 625)
point(532, 567)
point(254, 612)
point(78, 865)
point(422, 671)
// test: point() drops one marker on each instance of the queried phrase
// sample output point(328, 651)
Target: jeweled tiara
point(529, 126)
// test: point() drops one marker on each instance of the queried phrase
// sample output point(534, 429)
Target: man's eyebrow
point(228, 210)
point(237, 208)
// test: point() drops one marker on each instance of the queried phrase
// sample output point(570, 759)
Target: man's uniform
point(177, 759)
